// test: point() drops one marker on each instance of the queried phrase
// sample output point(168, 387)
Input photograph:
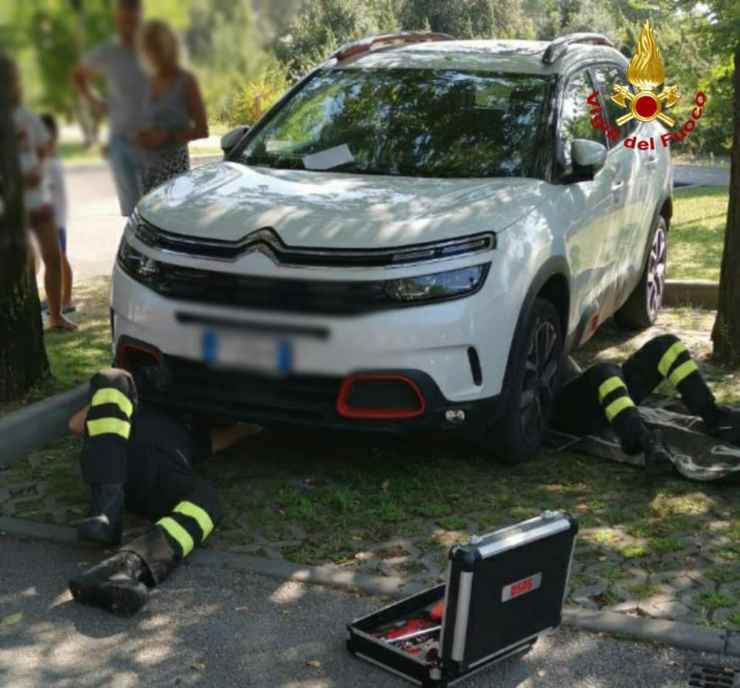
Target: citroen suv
point(413, 237)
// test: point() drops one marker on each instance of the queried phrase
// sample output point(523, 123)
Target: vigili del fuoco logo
point(644, 102)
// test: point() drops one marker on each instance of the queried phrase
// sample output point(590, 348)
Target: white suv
point(412, 238)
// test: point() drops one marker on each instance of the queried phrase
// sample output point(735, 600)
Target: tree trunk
point(23, 360)
point(726, 332)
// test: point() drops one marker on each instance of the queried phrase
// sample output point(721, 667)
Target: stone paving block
point(626, 607)
point(665, 607)
point(729, 617)
point(731, 589)
point(676, 581)
point(732, 647)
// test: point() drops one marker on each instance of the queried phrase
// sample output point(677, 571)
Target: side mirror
point(230, 140)
point(588, 154)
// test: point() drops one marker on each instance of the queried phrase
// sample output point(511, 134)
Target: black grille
point(241, 394)
point(322, 297)
point(382, 394)
point(296, 296)
point(713, 676)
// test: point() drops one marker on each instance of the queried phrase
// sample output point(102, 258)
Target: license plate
point(241, 350)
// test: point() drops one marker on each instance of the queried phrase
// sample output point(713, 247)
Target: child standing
point(56, 194)
point(32, 142)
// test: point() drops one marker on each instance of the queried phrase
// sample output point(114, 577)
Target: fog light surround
point(363, 386)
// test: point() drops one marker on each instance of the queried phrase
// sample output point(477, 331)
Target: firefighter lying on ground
point(142, 457)
point(609, 394)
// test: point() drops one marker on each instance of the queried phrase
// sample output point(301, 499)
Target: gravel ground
point(223, 628)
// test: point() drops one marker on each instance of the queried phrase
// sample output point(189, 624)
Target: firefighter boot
point(725, 425)
point(116, 584)
point(105, 524)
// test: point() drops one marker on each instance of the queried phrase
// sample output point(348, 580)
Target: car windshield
point(411, 122)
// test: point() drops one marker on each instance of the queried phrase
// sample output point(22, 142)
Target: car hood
point(227, 201)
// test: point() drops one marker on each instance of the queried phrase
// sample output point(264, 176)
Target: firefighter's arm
point(77, 422)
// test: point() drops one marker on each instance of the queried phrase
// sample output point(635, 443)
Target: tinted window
point(607, 76)
point(415, 122)
point(575, 116)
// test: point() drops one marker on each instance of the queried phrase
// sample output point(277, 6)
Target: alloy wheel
point(656, 271)
point(540, 378)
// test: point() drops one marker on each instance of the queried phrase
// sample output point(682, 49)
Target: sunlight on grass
point(697, 233)
point(74, 357)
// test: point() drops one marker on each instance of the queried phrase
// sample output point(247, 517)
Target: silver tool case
point(503, 591)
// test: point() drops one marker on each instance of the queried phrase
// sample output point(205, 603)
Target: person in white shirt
point(56, 193)
point(33, 140)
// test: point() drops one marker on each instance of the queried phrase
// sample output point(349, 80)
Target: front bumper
point(302, 400)
point(455, 351)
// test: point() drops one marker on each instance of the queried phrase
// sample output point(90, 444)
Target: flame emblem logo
point(646, 72)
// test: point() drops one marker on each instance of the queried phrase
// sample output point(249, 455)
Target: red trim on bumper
point(347, 411)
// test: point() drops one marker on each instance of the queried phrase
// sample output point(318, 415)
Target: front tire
point(534, 379)
point(644, 304)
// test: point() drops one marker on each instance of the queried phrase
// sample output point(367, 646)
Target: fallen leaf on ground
point(199, 666)
point(313, 663)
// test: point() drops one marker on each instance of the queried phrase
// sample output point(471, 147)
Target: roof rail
point(386, 40)
point(559, 46)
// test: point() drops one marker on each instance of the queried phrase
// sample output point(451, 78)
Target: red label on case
point(521, 587)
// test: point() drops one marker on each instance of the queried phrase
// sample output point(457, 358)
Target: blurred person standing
point(33, 141)
point(56, 193)
point(174, 113)
point(117, 61)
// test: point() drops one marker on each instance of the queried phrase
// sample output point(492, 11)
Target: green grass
point(74, 357)
point(696, 238)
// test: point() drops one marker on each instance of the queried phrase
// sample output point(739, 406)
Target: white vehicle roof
point(523, 57)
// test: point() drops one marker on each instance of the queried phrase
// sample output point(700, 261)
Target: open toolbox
point(503, 590)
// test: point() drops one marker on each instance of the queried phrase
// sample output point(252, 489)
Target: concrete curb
point(37, 425)
point(677, 634)
point(697, 293)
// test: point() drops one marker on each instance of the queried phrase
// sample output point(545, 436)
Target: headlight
point(439, 286)
point(135, 263)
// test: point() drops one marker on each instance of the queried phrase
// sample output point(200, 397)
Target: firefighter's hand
point(77, 422)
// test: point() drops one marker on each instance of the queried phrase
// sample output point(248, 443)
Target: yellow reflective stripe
point(616, 407)
point(109, 395)
point(609, 386)
point(682, 372)
point(669, 358)
point(181, 535)
point(109, 426)
point(200, 515)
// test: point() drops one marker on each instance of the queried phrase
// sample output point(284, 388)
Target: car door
point(631, 192)
point(591, 210)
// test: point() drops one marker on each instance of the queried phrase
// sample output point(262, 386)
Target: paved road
point(221, 628)
point(95, 225)
point(704, 176)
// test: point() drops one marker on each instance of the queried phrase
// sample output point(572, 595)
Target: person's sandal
point(64, 325)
